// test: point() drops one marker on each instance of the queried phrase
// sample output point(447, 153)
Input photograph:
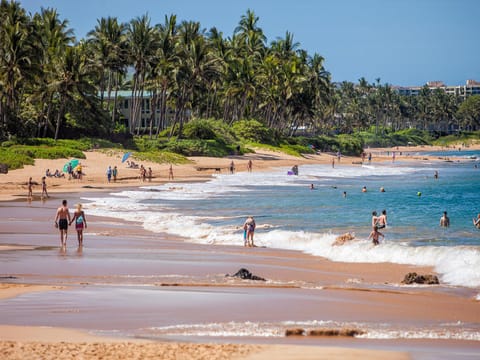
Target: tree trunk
point(59, 118)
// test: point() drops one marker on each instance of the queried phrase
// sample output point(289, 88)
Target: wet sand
point(126, 282)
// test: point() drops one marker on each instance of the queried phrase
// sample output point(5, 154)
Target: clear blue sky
point(402, 42)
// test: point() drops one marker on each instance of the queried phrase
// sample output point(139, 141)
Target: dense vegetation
point(53, 85)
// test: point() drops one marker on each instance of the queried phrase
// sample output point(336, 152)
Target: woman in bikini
point(80, 223)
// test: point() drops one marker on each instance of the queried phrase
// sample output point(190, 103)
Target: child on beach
point(374, 235)
point(80, 223)
point(30, 188)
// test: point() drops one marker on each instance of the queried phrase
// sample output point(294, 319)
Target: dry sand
point(20, 342)
point(14, 184)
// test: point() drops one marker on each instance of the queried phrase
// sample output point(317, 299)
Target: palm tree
point(109, 43)
point(16, 57)
point(163, 72)
point(198, 66)
point(52, 38)
point(143, 41)
point(72, 83)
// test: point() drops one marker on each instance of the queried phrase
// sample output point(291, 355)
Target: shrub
point(350, 144)
point(162, 157)
point(253, 130)
point(199, 129)
point(46, 152)
point(14, 160)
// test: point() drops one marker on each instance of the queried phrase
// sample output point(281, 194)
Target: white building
point(470, 88)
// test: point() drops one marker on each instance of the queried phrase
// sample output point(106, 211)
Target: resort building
point(124, 108)
point(470, 88)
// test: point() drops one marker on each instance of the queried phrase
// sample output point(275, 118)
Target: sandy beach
point(62, 304)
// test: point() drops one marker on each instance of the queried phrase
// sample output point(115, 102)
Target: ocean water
point(289, 215)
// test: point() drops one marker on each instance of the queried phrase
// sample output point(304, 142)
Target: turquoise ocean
point(289, 215)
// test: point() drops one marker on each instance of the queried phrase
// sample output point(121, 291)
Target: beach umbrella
point(73, 162)
point(126, 156)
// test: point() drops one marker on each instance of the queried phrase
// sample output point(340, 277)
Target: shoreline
point(281, 265)
point(14, 184)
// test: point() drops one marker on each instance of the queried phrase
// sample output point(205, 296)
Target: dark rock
point(335, 332)
point(414, 278)
point(294, 332)
point(246, 275)
point(3, 168)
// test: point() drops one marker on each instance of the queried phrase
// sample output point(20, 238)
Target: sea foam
point(152, 206)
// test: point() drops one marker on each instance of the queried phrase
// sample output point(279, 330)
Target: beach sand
point(46, 279)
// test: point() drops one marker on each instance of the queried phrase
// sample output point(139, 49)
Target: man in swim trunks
point(382, 220)
point(62, 218)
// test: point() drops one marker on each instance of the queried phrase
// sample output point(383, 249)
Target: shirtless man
point(382, 220)
point(62, 218)
point(444, 220)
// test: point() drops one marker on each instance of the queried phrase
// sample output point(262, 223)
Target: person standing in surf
point(381, 222)
point(476, 222)
point(444, 220)
point(250, 228)
point(374, 235)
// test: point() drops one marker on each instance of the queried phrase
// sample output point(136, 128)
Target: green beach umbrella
point(73, 162)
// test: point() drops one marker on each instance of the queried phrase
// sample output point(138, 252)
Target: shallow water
point(289, 215)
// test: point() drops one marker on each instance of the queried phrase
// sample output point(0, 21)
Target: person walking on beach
point(249, 165)
point(44, 187)
point(109, 173)
point(170, 173)
point(30, 189)
point(80, 223)
point(115, 173)
point(249, 226)
point(70, 171)
point(150, 174)
point(374, 235)
point(444, 220)
point(232, 167)
point(476, 222)
point(62, 218)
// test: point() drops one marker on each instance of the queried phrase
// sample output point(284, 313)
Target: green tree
point(52, 38)
point(17, 63)
point(469, 113)
point(143, 42)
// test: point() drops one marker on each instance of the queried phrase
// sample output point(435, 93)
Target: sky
point(400, 42)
